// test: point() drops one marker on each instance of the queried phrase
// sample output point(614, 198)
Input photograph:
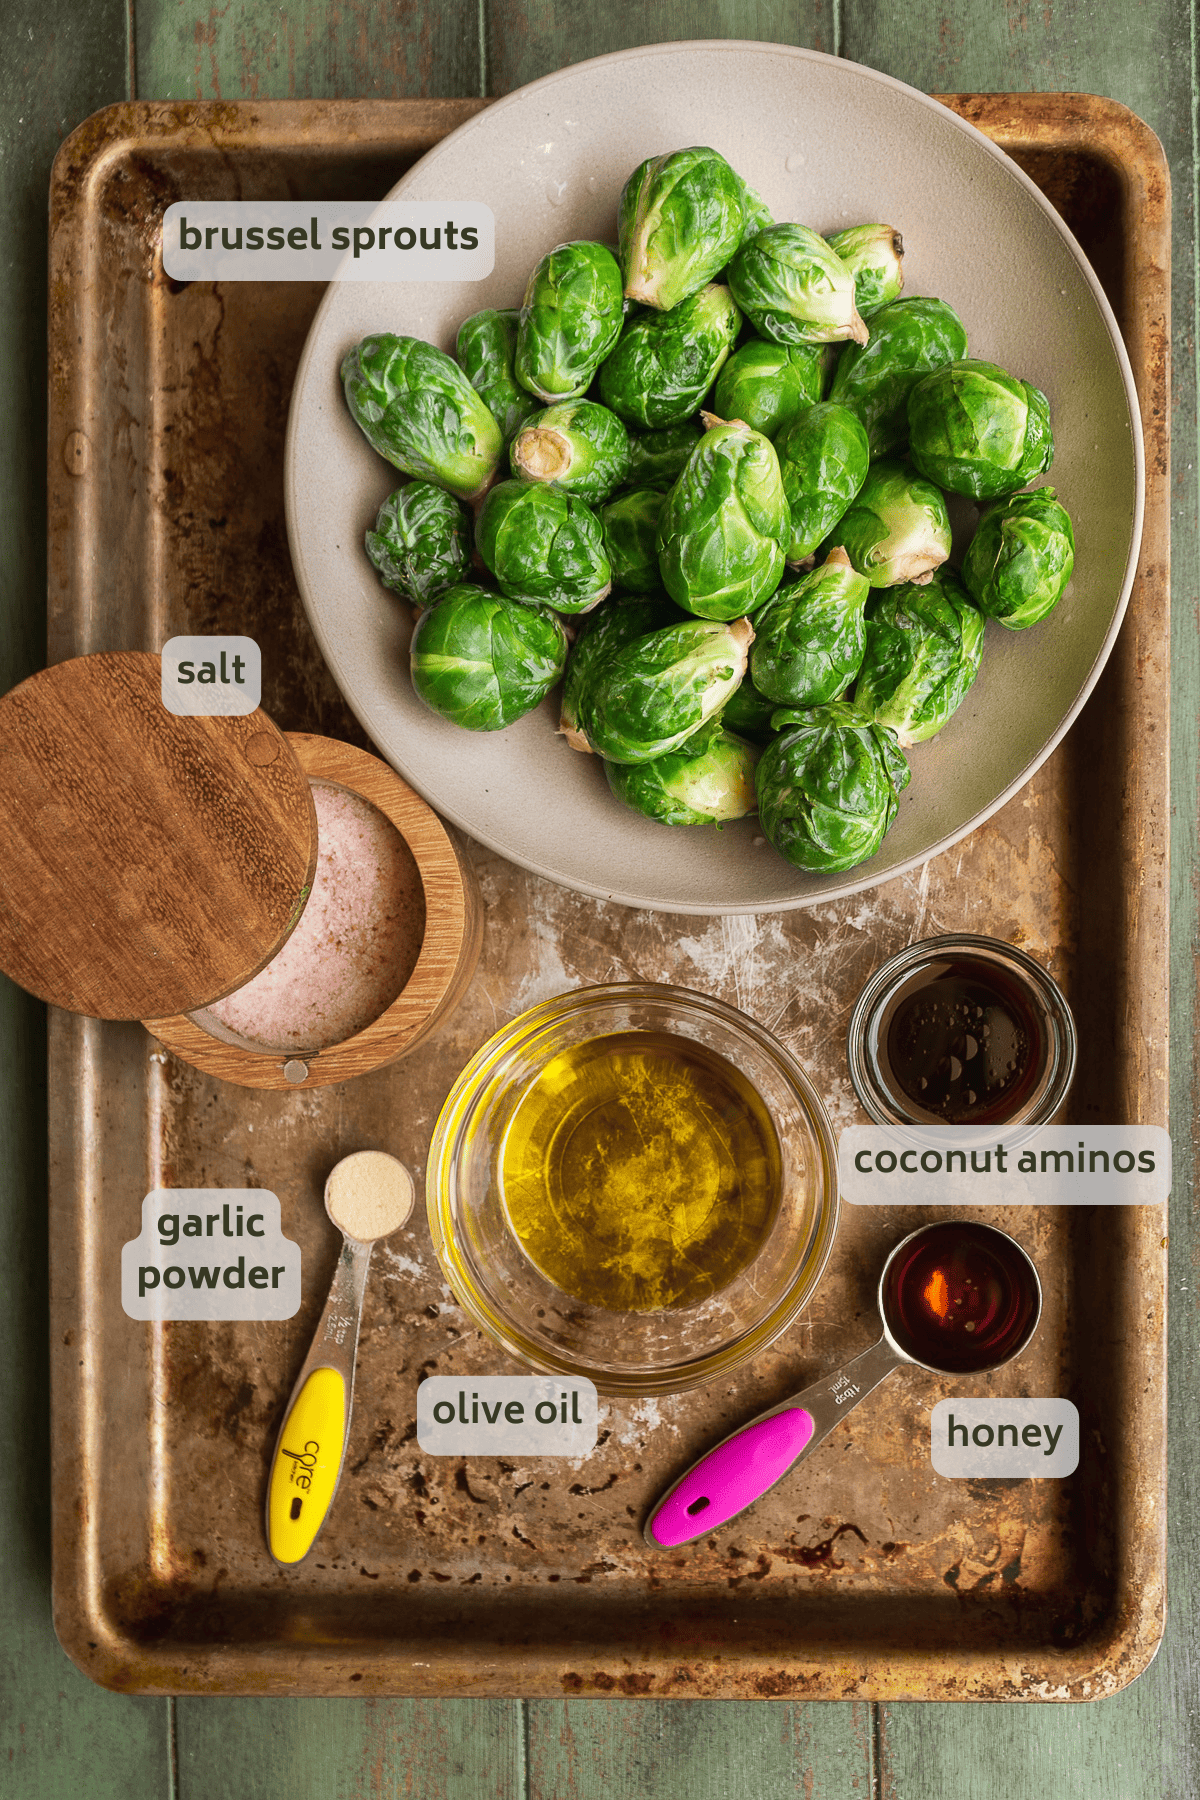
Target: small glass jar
point(961, 1030)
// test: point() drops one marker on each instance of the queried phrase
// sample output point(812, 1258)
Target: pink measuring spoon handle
point(740, 1470)
point(731, 1477)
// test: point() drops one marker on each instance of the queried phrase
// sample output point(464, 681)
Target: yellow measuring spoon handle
point(311, 1447)
point(308, 1462)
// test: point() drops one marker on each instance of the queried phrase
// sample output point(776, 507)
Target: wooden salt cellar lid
point(150, 863)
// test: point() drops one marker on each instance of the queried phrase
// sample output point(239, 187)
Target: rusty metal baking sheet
point(865, 1575)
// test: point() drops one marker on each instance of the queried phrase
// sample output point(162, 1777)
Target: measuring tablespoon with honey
point(368, 1196)
point(956, 1298)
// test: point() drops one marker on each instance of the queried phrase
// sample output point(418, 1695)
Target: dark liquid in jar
point(960, 1298)
point(963, 1043)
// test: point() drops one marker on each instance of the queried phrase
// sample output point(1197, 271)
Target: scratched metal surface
point(866, 1576)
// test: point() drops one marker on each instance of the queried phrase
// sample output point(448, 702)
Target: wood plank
point(530, 38)
point(309, 49)
point(350, 1750)
point(58, 1733)
point(1124, 1748)
point(956, 47)
point(706, 1750)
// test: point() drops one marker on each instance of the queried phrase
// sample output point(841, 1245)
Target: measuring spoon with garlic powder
point(368, 1196)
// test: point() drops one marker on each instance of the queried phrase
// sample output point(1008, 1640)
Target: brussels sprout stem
point(543, 454)
point(643, 288)
point(576, 738)
point(742, 633)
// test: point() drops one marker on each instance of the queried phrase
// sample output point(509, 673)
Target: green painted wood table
point(58, 1734)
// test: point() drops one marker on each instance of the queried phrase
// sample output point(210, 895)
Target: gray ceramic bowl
point(829, 144)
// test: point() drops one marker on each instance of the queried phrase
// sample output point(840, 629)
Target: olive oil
point(640, 1172)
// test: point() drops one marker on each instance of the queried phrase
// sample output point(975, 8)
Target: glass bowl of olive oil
point(636, 1184)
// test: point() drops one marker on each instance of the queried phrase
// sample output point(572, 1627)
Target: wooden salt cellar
point(445, 964)
point(154, 864)
point(151, 862)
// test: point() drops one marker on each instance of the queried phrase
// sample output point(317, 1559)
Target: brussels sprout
point(630, 526)
point(749, 713)
point(487, 343)
point(897, 529)
point(577, 446)
point(757, 213)
point(421, 542)
point(874, 255)
point(600, 635)
point(656, 458)
point(908, 339)
point(794, 288)
point(652, 695)
point(415, 406)
point(570, 319)
point(543, 546)
point(482, 661)
point(722, 532)
point(665, 362)
point(766, 385)
point(976, 430)
point(823, 459)
point(1021, 558)
point(681, 218)
point(698, 784)
point(924, 646)
point(810, 635)
point(828, 786)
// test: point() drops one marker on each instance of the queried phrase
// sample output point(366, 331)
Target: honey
point(960, 1297)
point(640, 1172)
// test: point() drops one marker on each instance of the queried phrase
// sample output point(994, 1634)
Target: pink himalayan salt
point(357, 941)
